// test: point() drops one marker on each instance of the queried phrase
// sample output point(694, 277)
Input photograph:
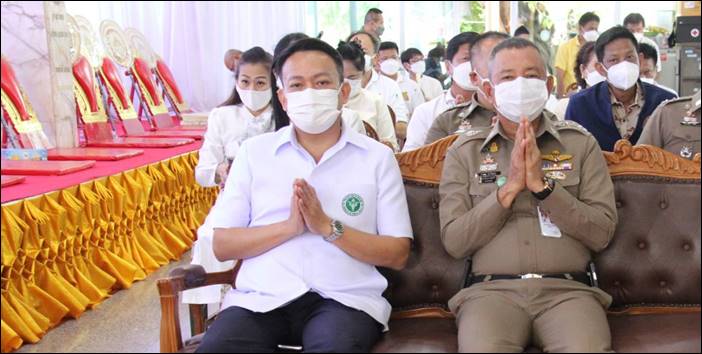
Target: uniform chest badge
point(555, 161)
point(686, 151)
point(352, 204)
point(691, 121)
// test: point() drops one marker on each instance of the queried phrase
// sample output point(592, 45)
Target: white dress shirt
point(373, 110)
point(227, 128)
point(391, 94)
point(431, 87)
point(424, 117)
point(411, 93)
point(259, 194)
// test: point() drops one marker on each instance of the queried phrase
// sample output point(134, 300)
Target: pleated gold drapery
point(66, 251)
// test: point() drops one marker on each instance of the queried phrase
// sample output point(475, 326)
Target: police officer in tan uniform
point(675, 126)
point(480, 111)
point(530, 201)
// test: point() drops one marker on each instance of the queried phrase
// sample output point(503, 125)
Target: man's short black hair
point(485, 36)
point(587, 18)
point(516, 43)
point(306, 45)
point(409, 53)
point(610, 36)
point(286, 41)
point(459, 40)
point(634, 18)
point(521, 30)
point(649, 52)
point(375, 41)
point(371, 15)
point(352, 52)
point(389, 45)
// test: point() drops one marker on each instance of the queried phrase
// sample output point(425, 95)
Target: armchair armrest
point(180, 279)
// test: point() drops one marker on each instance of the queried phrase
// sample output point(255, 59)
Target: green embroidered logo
point(352, 204)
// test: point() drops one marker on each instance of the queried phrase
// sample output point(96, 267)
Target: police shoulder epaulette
point(569, 124)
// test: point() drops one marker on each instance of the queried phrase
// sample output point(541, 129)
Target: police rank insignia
point(352, 204)
point(691, 121)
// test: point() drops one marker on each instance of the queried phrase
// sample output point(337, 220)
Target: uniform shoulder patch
point(570, 125)
point(477, 133)
point(677, 99)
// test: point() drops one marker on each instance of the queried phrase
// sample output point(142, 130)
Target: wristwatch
point(549, 185)
point(337, 231)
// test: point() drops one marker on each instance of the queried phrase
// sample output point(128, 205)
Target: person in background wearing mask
point(529, 200)
point(388, 89)
point(617, 108)
point(522, 32)
point(311, 211)
point(390, 65)
point(373, 23)
point(245, 114)
point(565, 56)
point(370, 106)
point(675, 126)
point(648, 70)
point(480, 112)
point(434, 59)
point(585, 76)
point(636, 24)
point(413, 61)
point(460, 92)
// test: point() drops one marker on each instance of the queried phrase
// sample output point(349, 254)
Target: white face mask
point(419, 67)
point(390, 66)
point(355, 87)
point(593, 78)
point(313, 111)
point(623, 75)
point(368, 64)
point(254, 100)
point(639, 36)
point(521, 97)
point(591, 36)
point(461, 76)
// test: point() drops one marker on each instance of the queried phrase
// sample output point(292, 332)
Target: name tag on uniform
point(548, 228)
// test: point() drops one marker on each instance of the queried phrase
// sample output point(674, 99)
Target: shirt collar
point(546, 126)
point(637, 98)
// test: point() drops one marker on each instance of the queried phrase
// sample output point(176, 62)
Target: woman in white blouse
point(369, 105)
point(246, 113)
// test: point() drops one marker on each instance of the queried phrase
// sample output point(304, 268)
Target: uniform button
point(642, 245)
point(686, 247)
point(662, 283)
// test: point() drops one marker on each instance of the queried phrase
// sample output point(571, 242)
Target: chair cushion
point(83, 73)
point(656, 333)
point(419, 335)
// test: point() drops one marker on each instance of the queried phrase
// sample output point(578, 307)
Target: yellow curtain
point(66, 251)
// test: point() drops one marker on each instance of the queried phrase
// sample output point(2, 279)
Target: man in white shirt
point(647, 66)
point(413, 61)
point(390, 65)
point(311, 210)
point(372, 81)
point(636, 24)
point(460, 92)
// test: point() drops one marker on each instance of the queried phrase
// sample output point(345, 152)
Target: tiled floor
point(126, 322)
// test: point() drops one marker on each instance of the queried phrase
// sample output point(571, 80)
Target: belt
point(581, 277)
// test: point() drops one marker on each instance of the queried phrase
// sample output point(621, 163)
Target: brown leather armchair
point(651, 268)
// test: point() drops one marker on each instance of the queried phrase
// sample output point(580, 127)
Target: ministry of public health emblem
point(352, 204)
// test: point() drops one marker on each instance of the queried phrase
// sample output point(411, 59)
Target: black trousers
point(315, 323)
